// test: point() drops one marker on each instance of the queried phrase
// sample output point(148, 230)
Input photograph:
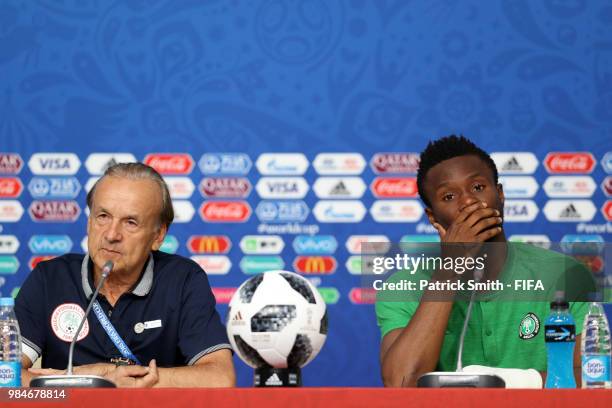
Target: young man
point(161, 305)
point(458, 183)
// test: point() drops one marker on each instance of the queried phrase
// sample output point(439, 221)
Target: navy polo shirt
point(169, 315)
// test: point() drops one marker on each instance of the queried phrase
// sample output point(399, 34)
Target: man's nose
point(113, 232)
point(467, 199)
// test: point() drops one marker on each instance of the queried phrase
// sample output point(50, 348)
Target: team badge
point(65, 321)
point(529, 327)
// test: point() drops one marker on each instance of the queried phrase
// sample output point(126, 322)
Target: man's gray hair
point(139, 171)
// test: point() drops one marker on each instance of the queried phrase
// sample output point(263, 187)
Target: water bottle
point(10, 345)
point(596, 349)
point(560, 338)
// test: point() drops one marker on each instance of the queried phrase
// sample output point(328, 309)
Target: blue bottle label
point(595, 368)
point(10, 374)
point(554, 333)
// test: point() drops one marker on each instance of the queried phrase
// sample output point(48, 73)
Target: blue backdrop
point(307, 76)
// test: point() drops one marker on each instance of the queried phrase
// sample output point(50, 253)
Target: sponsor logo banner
point(223, 295)
point(183, 211)
point(353, 264)
point(50, 244)
point(282, 187)
point(209, 244)
point(225, 211)
point(315, 265)
point(606, 162)
point(10, 187)
point(9, 265)
point(282, 164)
point(330, 295)
point(569, 162)
point(35, 260)
point(606, 210)
point(394, 187)
point(606, 186)
point(170, 163)
point(54, 187)
point(180, 187)
point(54, 211)
point(10, 163)
point(282, 211)
point(170, 244)
point(569, 210)
point(418, 238)
point(395, 163)
point(252, 265)
point(9, 244)
point(519, 186)
point(339, 187)
point(262, 244)
point(315, 244)
point(569, 186)
point(583, 244)
point(51, 164)
point(396, 211)
point(520, 211)
point(97, 163)
point(541, 241)
point(354, 244)
point(339, 211)
point(515, 162)
point(213, 264)
point(225, 163)
point(339, 163)
point(362, 296)
point(10, 210)
point(225, 187)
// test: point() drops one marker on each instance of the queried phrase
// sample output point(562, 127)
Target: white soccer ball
point(277, 319)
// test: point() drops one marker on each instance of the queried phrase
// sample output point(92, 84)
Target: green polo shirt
point(507, 334)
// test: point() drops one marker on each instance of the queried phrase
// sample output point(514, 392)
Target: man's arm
point(212, 370)
point(26, 376)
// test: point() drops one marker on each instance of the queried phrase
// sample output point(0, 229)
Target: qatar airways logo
point(569, 162)
point(170, 163)
point(54, 211)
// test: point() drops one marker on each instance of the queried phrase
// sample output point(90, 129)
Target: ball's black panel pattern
point(300, 352)
point(299, 286)
point(249, 353)
point(248, 290)
point(324, 324)
point(273, 318)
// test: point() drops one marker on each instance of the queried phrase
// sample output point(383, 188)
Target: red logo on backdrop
point(315, 265)
point(170, 163)
point(593, 262)
point(607, 186)
point(363, 296)
point(607, 210)
point(394, 187)
point(10, 163)
point(35, 260)
point(569, 163)
point(209, 244)
point(386, 163)
point(10, 187)
point(225, 211)
point(228, 187)
point(54, 211)
point(223, 295)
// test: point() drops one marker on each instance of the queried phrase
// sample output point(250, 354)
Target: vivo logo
point(282, 211)
point(282, 164)
point(282, 187)
point(339, 211)
point(62, 164)
point(315, 244)
point(50, 244)
point(54, 187)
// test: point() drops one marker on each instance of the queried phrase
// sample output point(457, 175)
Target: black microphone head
point(107, 268)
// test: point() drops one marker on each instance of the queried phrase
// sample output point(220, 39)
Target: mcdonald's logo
point(315, 265)
point(209, 244)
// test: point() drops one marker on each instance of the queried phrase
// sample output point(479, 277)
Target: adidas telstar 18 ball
point(277, 319)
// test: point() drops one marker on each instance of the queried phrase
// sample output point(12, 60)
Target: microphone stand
point(70, 380)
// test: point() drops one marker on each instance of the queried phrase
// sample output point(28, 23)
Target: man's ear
point(430, 216)
point(500, 193)
point(159, 239)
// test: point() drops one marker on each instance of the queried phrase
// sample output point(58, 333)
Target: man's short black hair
point(444, 149)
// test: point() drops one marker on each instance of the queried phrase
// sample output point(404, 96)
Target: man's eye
point(479, 187)
point(447, 197)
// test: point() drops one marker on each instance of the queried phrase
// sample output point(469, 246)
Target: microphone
point(458, 378)
point(70, 380)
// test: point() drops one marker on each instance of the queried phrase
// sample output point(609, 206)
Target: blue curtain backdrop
point(304, 76)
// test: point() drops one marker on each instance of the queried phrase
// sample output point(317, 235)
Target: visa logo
point(55, 164)
point(315, 244)
point(50, 244)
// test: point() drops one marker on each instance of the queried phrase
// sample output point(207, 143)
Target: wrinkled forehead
point(122, 193)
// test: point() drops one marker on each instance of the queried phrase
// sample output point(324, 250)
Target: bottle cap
point(7, 301)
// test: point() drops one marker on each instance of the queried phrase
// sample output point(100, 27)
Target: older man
point(161, 305)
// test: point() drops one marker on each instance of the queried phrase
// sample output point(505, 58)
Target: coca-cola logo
point(225, 211)
point(388, 163)
point(403, 187)
point(54, 211)
point(229, 187)
point(569, 163)
point(10, 187)
point(170, 163)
